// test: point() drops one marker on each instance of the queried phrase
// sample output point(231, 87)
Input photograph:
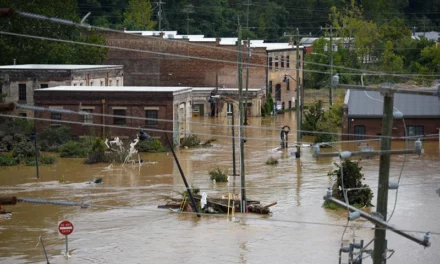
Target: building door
point(359, 132)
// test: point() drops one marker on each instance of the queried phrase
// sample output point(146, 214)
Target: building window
point(117, 82)
point(44, 85)
point(282, 61)
point(276, 62)
point(74, 84)
point(22, 92)
point(290, 104)
point(55, 116)
point(270, 86)
point(359, 132)
point(278, 92)
point(287, 85)
point(270, 63)
point(80, 84)
point(102, 83)
point(22, 114)
point(288, 61)
point(412, 131)
point(110, 83)
point(88, 118)
point(91, 83)
point(151, 116)
point(229, 109)
point(121, 121)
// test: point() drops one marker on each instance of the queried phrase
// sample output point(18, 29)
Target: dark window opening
point(270, 86)
point(270, 63)
point(22, 92)
point(121, 121)
point(54, 117)
point(287, 61)
point(412, 131)
point(278, 92)
point(276, 63)
point(22, 114)
point(88, 119)
point(288, 85)
point(282, 61)
point(44, 85)
point(359, 132)
point(151, 115)
point(290, 104)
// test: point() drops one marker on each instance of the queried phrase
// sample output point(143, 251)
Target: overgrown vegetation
point(51, 138)
point(42, 160)
point(218, 174)
point(73, 149)
point(351, 172)
point(194, 191)
point(190, 141)
point(267, 108)
point(208, 143)
point(151, 145)
point(97, 152)
point(328, 122)
point(271, 161)
point(7, 160)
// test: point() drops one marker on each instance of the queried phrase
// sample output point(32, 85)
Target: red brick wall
point(373, 126)
point(147, 69)
point(133, 101)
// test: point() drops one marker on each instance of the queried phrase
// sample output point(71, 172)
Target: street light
point(33, 138)
point(333, 47)
point(298, 107)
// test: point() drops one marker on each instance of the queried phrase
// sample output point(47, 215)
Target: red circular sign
point(65, 228)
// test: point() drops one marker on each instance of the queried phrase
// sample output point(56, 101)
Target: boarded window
point(22, 92)
point(119, 118)
point(151, 116)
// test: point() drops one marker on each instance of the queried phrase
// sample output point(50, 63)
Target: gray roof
point(114, 89)
point(432, 35)
point(56, 67)
point(370, 104)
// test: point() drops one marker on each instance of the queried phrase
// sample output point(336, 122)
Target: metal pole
point(36, 156)
point(331, 65)
point(233, 142)
point(240, 104)
point(196, 209)
point(44, 249)
point(384, 171)
point(67, 246)
point(297, 101)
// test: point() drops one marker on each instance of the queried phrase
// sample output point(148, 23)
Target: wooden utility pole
point(247, 83)
point(240, 116)
point(384, 174)
point(298, 99)
point(331, 66)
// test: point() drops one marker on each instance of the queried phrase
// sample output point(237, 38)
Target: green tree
point(312, 116)
point(138, 15)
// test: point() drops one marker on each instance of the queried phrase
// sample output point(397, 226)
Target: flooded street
point(123, 224)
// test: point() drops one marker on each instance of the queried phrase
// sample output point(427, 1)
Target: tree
point(138, 15)
point(312, 117)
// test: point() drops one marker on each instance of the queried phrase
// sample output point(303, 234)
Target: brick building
point(152, 69)
point(18, 82)
point(363, 111)
point(281, 62)
point(144, 103)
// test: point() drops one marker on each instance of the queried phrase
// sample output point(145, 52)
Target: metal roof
point(370, 104)
point(56, 67)
point(113, 89)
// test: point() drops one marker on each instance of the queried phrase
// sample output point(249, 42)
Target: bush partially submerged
point(190, 141)
point(51, 138)
point(7, 160)
point(150, 145)
point(208, 143)
point(23, 150)
point(73, 149)
point(271, 161)
point(97, 153)
point(42, 160)
point(219, 175)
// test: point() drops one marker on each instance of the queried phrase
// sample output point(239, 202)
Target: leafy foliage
point(23, 150)
point(271, 161)
point(97, 152)
point(73, 149)
point(312, 116)
point(190, 141)
point(138, 15)
point(42, 160)
point(150, 145)
point(218, 174)
point(7, 160)
point(51, 138)
point(351, 172)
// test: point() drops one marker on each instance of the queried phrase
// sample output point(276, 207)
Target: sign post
point(66, 228)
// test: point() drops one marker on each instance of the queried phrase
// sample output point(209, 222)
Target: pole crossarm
point(347, 154)
point(377, 221)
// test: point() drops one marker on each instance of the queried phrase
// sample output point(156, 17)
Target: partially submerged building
point(116, 111)
point(18, 82)
point(363, 112)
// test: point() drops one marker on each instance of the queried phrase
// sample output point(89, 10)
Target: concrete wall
point(150, 69)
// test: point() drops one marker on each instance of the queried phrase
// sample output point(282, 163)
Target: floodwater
point(123, 224)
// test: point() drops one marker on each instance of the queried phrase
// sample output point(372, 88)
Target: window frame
point(359, 136)
point(88, 118)
point(151, 122)
point(282, 61)
point(288, 62)
point(22, 90)
point(120, 121)
point(276, 63)
point(415, 128)
point(270, 63)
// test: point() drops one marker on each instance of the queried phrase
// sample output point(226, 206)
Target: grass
point(218, 175)
point(271, 161)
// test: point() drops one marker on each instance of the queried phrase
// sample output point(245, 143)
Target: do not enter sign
point(65, 228)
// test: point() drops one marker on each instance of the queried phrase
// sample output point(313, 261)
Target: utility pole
point(234, 171)
point(247, 83)
point(159, 14)
point(384, 173)
point(248, 3)
point(189, 9)
point(331, 66)
point(240, 134)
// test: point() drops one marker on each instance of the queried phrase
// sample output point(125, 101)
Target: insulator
point(345, 154)
point(393, 186)
point(354, 215)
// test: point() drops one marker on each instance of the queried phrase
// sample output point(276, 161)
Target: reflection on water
point(124, 226)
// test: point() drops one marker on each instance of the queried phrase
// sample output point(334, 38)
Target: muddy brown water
point(123, 224)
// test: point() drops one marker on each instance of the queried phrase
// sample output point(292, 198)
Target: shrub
point(42, 160)
point(23, 150)
point(97, 153)
point(51, 138)
point(7, 160)
point(219, 175)
point(208, 143)
point(150, 145)
point(73, 149)
point(190, 141)
point(271, 161)
point(352, 179)
point(329, 129)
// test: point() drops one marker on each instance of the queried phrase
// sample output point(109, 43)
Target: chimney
point(161, 34)
point(217, 41)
